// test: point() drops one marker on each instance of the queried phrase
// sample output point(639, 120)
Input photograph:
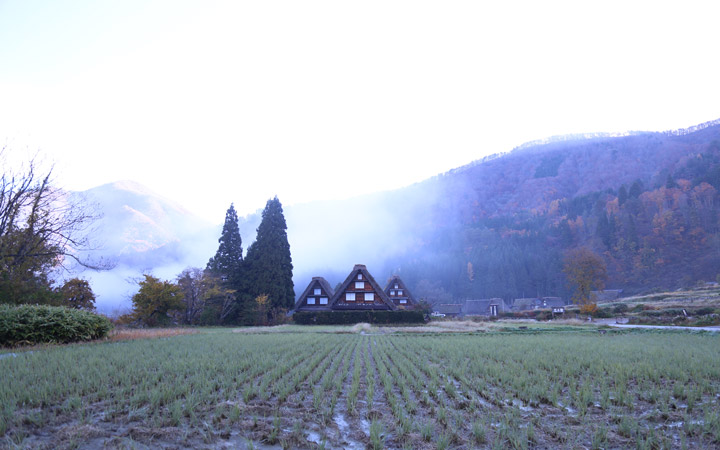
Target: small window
point(311, 301)
point(317, 292)
point(359, 276)
point(403, 301)
point(323, 300)
point(359, 285)
point(399, 292)
point(369, 296)
point(392, 292)
point(350, 296)
point(396, 286)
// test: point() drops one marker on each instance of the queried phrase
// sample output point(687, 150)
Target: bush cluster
point(32, 324)
point(352, 317)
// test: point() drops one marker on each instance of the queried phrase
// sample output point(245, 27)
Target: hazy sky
point(211, 102)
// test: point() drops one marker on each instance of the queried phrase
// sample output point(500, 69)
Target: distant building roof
point(482, 307)
point(551, 302)
point(526, 303)
point(448, 308)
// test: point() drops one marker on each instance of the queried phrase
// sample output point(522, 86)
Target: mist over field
point(498, 227)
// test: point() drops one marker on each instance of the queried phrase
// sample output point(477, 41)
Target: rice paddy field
point(366, 387)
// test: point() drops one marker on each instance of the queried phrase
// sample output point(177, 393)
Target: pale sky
point(211, 102)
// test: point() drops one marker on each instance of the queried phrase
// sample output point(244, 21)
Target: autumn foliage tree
point(586, 272)
point(77, 294)
point(206, 298)
point(156, 301)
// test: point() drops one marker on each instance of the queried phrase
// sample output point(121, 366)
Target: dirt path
point(613, 323)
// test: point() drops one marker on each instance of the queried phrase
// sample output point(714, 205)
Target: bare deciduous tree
point(41, 228)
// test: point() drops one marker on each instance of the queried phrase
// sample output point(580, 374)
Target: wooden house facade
point(360, 291)
point(316, 297)
point(399, 294)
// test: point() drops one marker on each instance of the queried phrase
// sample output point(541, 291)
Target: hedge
point(351, 317)
point(31, 324)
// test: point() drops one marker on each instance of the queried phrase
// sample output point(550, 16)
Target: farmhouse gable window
point(323, 300)
point(311, 300)
point(350, 296)
point(359, 285)
point(369, 296)
point(359, 276)
point(317, 292)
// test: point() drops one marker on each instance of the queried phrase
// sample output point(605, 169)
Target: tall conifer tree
point(227, 262)
point(268, 265)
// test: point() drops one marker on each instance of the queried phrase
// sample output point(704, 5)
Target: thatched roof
point(315, 283)
point(395, 279)
point(482, 307)
point(352, 277)
point(526, 303)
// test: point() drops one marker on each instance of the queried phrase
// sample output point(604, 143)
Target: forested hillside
point(647, 202)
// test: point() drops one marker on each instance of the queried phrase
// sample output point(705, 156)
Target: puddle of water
point(567, 408)
point(314, 437)
point(365, 425)
point(344, 428)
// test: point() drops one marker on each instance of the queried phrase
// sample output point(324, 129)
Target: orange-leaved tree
point(586, 272)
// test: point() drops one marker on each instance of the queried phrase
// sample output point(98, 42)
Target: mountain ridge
point(519, 204)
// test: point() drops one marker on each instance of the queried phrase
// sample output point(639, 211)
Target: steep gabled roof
point(321, 283)
point(395, 279)
point(360, 268)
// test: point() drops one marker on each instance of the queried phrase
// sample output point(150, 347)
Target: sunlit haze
point(210, 103)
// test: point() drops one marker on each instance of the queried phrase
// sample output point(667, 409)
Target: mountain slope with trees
point(648, 203)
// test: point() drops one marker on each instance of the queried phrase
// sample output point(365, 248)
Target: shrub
point(620, 308)
point(351, 317)
point(704, 311)
point(602, 313)
point(31, 324)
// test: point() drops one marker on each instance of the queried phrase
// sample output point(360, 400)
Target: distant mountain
point(140, 231)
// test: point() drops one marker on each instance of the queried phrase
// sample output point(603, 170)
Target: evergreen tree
point(636, 189)
point(622, 195)
point(227, 262)
point(268, 265)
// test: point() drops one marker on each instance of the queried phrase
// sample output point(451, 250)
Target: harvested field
point(571, 388)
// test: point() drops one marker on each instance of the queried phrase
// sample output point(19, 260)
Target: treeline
point(255, 289)
point(659, 231)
